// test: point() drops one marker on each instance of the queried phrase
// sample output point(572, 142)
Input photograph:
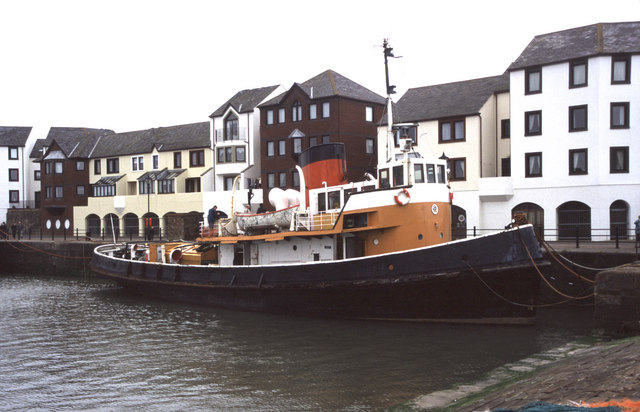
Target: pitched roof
point(580, 42)
point(245, 100)
point(164, 139)
point(446, 100)
point(14, 136)
point(75, 142)
point(328, 84)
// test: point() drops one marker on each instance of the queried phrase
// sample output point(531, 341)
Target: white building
point(18, 178)
point(557, 142)
point(575, 118)
point(235, 137)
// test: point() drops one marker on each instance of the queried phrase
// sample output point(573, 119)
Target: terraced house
point(139, 179)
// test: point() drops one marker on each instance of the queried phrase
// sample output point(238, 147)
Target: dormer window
point(231, 127)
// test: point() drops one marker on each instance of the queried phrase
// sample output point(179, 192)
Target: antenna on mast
point(388, 52)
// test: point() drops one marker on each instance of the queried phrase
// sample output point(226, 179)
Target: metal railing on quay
point(102, 235)
point(576, 235)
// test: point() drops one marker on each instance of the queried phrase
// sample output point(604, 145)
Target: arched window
point(458, 222)
point(112, 225)
point(131, 225)
point(534, 214)
point(231, 127)
point(619, 219)
point(574, 219)
point(92, 223)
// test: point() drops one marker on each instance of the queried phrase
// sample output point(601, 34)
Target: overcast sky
point(131, 65)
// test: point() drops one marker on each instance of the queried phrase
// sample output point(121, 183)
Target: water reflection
point(84, 344)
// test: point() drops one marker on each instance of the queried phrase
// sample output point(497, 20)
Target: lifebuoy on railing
point(403, 197)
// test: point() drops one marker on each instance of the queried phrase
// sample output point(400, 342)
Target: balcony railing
point(219, 135)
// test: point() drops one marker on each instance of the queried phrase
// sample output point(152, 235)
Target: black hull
point(489, 279)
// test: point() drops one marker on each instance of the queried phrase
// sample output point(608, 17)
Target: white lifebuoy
point(403, 197)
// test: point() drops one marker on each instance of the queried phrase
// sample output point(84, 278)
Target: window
point(231, 127)
point(177, 160)
point(368, 113)
point(313, 111)
point(533, 123)
point(103, 191)
point(14, 196)
point(13, 153)
point(620, 69)
point(137, 163)
point(146, 187)
point(80, 165)
point(270, 116)
point(578, 162)
point(228, 182)
point(155, 161)
point(295, 178)
point(58, 167)
point(533, 164)
point(451, 130)
point(313, 141)
point(166, 186)
point(619, 159)
point(505, 128)
point(577, 74)
point(457, 168)
point(80, 191)
point(297, 145)
point(47, 168)
point(282, 179)
point(326, 110)
point(14, 175)
point(240, 154)
point(578, 118)
point(620, 115)
point(48, 192)
point(418, 173)
point(271, 180)
point(97, 166)
point(36, 175)
point(296, 112)
point(281, 115)
point(505, 167)
point(369, 145)
point(533, 81)
point(431, 173)
point(282, 147)
point(196, 158)
point(270, 149)
point(221, 155)
point(326, 139)
point(228, 154)
point(59, 192)
point(112, 165)
point(383, 177)
point(192, 185)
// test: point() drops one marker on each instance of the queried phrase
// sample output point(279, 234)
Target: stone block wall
point(617, 301)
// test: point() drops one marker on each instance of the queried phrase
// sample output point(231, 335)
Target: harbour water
point(83, 344)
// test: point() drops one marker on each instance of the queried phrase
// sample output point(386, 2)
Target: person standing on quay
point(637, 223)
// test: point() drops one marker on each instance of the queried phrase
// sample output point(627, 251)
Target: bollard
point(577, 238)
point(617, 239)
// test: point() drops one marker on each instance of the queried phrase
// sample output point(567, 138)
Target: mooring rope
point(547, 246)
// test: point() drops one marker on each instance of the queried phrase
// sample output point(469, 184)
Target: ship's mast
point(388, 52)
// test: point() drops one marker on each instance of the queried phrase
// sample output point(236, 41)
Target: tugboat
point(376, 249)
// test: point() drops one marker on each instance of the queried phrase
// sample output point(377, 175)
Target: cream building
point(146, 174)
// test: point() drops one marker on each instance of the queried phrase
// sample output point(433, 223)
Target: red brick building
point(64, 175)
point(326, 108)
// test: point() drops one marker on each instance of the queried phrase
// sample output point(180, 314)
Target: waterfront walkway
point(586, 374)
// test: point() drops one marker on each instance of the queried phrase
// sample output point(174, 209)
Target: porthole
point(420, 236)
